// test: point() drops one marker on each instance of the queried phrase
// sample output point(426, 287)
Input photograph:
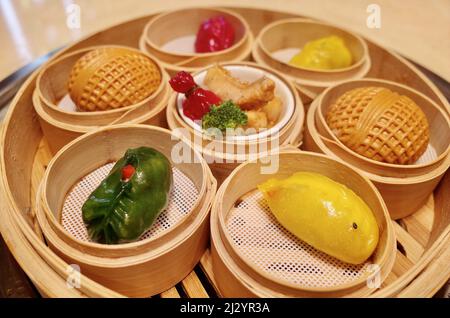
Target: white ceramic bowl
point(250, 74)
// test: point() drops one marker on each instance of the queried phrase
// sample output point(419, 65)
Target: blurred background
point(418, 29)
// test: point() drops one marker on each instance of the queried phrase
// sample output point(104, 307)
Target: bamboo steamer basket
point(439, 125)
point(396, 191)
point(422, 238)
point(262, 259)
point(52, 87)
point(171, 26)
point(179, 236)
point(61, 126)
point(222, 154)
point(281, 37)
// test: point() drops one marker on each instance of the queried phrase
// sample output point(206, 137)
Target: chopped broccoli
point(226, 115)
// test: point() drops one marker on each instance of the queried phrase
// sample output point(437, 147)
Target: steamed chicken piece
point(266, 116)
point(246, 95)
point(273, 110)
point(256, 119)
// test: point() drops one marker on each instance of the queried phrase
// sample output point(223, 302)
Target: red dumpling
point(215, 34)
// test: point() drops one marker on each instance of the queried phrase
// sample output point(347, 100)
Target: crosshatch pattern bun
point(380, 124)
point(111, 78)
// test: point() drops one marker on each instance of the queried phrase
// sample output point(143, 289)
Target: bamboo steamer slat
point(220, 154)
point(437, 269)
point(175, 24)
point(295, 33)
point(18, 160)
point(396, 192)
point(438, 120)
point(435, 247)
point(241, 277)
point(134, 269)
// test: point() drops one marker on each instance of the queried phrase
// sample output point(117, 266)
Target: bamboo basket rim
point(277, 23)
point(41, 253)
point(440, 169)
point(117, 247)
point(434, 246)
point(297, 111)
point(306, 92)
point(422, 288)
point(40, 110)
point(295, 142)
point(22, 227)
point(385, 259)
point(246, 51)
point(216, 242)
point(177, 235)
point(416, 269)
point(253, 66)
point(127, 260)
point(391, 290)
point(294, 137)
point(382, 83)
point(225, 142)
point(61, 58)
point(300, 82)
point(163, 15)
point(51, 234)
point(130, 271)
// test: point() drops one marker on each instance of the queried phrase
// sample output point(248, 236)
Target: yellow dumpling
point(325, 214)
point(325, 53)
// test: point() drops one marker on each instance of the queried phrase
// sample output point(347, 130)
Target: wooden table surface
point(418, 29)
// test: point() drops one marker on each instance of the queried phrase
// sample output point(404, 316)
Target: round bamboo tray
point(177, 29)
point(422, 237)
point(178, 236)
point(438, 120)
point(222, 154)
point(278, 41)
point(262, 256)
point(396, 190)
point(60, 126)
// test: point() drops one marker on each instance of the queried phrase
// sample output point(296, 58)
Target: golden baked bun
point(110, 78)
point(380, 124)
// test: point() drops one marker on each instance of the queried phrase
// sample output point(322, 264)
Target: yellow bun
point(380, 124)
point(110, 78)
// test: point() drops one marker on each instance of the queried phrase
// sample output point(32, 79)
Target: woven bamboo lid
point(110, 78)
point(380, 124)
